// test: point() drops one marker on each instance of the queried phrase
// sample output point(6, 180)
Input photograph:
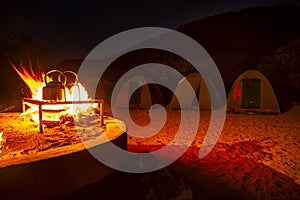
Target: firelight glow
point(35, 83)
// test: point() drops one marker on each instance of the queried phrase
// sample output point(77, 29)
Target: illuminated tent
point(189, 100)
point(252, 92)
point(143, 97)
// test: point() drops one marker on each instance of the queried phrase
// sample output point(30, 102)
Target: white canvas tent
point(144, 95)
point(252, 92)
point(201, 93)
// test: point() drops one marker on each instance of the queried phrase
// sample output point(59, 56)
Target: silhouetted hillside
point(238, 40)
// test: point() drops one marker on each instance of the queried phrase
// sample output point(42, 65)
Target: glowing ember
point(36, 84)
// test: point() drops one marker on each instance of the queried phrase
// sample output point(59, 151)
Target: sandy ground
point(272, 140)
point(256, 157)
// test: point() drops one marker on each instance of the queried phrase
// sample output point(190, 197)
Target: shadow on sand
point(227, 172)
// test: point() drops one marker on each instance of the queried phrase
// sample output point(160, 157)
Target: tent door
point(251, 93)
point(135, 99)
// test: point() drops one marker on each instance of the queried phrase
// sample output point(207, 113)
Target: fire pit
point(52, 164)
point(57, 99)
point(41, 103)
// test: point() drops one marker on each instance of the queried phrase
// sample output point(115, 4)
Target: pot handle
point(73, 73)
point(59, 76)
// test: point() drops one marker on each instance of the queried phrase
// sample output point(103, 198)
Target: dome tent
point(201, 93)
point(252, 92)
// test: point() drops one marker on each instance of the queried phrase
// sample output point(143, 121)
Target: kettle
point(69, 82)
point(72, 84)
point(55, 89)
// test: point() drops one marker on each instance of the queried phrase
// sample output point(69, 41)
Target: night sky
point(76, 27)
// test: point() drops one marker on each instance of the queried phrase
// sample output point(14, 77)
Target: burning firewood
point(66, 120)
point(87, 118)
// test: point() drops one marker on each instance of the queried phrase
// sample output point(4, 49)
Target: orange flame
point(32, 80)
point(35, 83)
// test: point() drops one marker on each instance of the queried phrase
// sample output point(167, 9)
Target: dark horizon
point(76, 27)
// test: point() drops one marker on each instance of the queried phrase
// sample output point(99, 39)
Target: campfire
point(57, 99)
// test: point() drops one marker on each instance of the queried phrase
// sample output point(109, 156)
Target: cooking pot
point(55, 89)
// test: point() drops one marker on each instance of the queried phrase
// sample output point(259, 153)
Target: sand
point(256, 157)
point(272, 140)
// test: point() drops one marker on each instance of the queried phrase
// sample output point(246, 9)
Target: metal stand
point(40, 103)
